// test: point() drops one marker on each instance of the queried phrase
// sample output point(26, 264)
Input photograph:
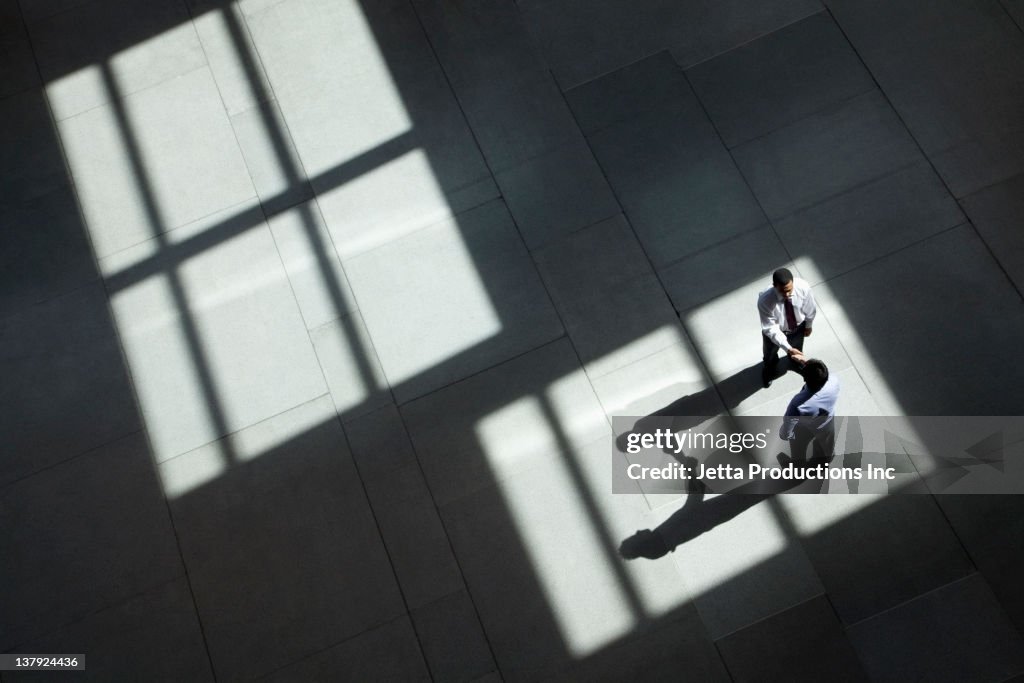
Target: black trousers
point(822, 441)
point(770, 351)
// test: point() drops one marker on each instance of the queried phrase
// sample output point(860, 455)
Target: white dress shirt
point(771, 305)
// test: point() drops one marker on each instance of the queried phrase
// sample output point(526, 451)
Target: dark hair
point(815, 373)
point(782, 276)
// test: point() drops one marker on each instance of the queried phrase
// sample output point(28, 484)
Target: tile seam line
point(669, 50)
point(1009, 179)
point(253, 200)
point(1013, 20)
point(817, 111)
point(367, 500)
point(27, 309)
point(561, 239)
point(440, 221)
point(123, 97)
point(821, 8)
point(78, 620)
point(76, 456)
point(920, 148)
point(234, 432)
point(306, 657)
point(47, 17)
point(935, 235)
point(768, 617)
point(805, 208)
point(631, 363)
point(930, 591)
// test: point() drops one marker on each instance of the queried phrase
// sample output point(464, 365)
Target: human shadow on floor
point(699, 515)
point(696, 517)
point(694, 409)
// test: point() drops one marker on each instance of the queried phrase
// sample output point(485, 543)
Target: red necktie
point(790, 315)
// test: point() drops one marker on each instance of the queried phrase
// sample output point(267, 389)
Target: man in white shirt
point(787, 311)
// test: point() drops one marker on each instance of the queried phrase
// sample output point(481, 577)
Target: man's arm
point(770, 326)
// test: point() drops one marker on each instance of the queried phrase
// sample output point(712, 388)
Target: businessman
point(809, 419)
point(787, 311)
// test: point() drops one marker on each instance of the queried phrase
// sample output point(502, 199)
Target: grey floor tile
point(779, 78)
point(232, 56)
point(415, 538)
point(956, 633)
point(724, 267)
point(350, 365)
point(456, 457)
point(953, 71)
point(1016, 10)
point(546, 591)
point(388, 652)
point(628, 92)
point(32, 161)
point(583, 40)
point(678, 185)
point(56, 358)
point(737, 560)
point(907, 354)
point(314, 270)
point(609, 299)
point(17, 64)
point(868, 565)
point(37, 11)
point(678, 649)
point(83, 536)
point(481, 42)
point(989, 527)
point(282, 550)
point(995, 213)
point(137, 45)
point(451, 299)
point(556, 194)
point(383, 116)
point(10, 18)
point(453, 642)
point(270, 156)
point(153, 636)
point(803, 643)
point(825, 154)
point(45, 250)
point(516, 121)
point(870, 221)
point(506, 92)
point(215, 343)
point(173, 160)
point(672, 376)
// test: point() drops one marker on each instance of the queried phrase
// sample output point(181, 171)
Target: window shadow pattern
point(226, 655)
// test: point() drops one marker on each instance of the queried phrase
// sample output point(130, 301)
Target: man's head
point(782, 281)
point(815, 374)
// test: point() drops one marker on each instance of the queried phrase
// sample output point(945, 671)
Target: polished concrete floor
point(313, 315)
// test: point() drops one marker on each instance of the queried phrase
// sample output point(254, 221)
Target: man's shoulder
point(802, 284)
point(766, 296)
